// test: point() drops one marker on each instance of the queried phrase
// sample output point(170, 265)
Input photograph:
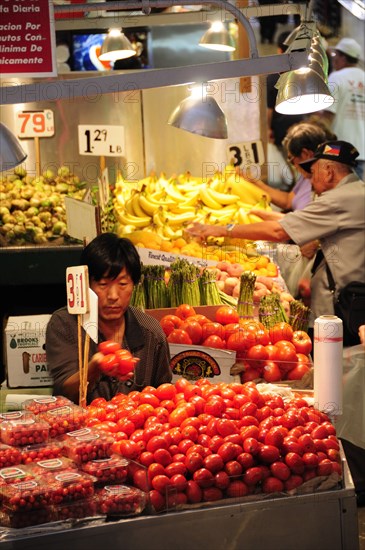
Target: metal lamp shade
point(203, 117)
point(116, 46)
point(219, 40)
point(302, 91)
point(11, 152)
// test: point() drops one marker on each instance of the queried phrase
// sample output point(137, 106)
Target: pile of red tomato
point(203, 442)
point(273, 355)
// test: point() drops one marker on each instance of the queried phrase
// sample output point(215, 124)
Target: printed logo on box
point(24, 342)
point(193, 365)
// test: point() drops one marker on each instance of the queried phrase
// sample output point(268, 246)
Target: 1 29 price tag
point(100, 140)
point(77, 286)
point(30, 124)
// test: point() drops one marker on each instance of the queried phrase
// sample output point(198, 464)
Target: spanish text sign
point(27, 38)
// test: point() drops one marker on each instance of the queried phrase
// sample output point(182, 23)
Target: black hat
point(339, 151)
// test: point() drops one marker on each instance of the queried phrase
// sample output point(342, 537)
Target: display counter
point(320, 520)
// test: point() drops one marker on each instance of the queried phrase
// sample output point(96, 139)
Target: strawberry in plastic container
point(115, 361)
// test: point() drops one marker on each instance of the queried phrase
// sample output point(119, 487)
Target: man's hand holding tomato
point(114, 361)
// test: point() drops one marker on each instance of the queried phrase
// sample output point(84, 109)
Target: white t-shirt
point(348, 88)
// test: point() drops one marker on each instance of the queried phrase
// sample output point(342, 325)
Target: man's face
point(321, 176)
point(113, 295)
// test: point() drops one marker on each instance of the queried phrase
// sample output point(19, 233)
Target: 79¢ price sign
point(30, 124)
point(101, 140)
point(77, 285)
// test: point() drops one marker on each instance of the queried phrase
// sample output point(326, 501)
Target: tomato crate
point(79, 509)
point(43, 451)
point(86, 444)
point(29, 430)
point(107, 470)
point(194, 362)
point(45, 403)
point(120, 500)
point(9, 456)
point(26, 518)
point(64, 419)
point(41, 468)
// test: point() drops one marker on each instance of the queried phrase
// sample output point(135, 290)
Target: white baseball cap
point(350, 47)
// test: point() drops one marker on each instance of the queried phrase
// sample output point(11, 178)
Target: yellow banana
point(242, 217)
point(128, 219)
point(136, 207)
point(174, 193)
point(157, 220)
point(150, 205)
point(224, 198)
point(179, 219)
point(180, 208)
point(125, 230)
point(171, 234)
point(208, 200)
point(129, 207)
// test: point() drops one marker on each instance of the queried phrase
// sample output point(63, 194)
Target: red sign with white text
point(27, 38)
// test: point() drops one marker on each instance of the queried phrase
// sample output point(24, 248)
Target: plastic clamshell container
point(68, 485)
point(9, 456)
point(87, 444)
point(67, 418)
point(44, 467)
point(45, 403)
point(75, 510)
point(108, 470)
point(120, 500)
point(15, 415)
point(24, 431)
point(26, 518)
point(25, 496)
point(15, 474)
point(43, 451)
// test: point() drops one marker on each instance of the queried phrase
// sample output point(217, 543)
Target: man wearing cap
point(336, 217)
point(346, 82)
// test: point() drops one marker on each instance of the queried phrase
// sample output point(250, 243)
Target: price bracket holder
point(35, 125)
point(82, 301)
point(83, 219)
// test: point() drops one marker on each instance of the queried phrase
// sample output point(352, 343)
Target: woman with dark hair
point(114, 269)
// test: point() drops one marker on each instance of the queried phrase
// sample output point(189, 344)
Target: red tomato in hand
point(108, 347)
point(109, 364)
point(226, 314)
point(184, 310)
point(302, 342)
point(179, 336)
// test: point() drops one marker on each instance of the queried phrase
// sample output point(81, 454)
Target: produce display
point(205, 442)
point(272, 354)
point(173, 446)
point(32, 208)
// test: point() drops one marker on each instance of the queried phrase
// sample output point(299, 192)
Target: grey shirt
point(337, 219)
point(143, 337)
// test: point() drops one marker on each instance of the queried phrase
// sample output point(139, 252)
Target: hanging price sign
point(31, 124)
point(101, 140)
point(249, 152)
point(77, 285)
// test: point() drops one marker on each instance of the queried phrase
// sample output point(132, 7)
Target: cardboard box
point(193, 362)
point(25, 353)
point(13, 399)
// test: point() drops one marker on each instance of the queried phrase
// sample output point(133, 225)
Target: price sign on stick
point(243, 154)
point(30, 124)
point(101, 140)
point(35, 125)
point(77, 284)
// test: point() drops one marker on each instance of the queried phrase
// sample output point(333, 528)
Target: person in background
point(336, 218)
point(300, 143)
point(114, 268)
point(347, 84)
